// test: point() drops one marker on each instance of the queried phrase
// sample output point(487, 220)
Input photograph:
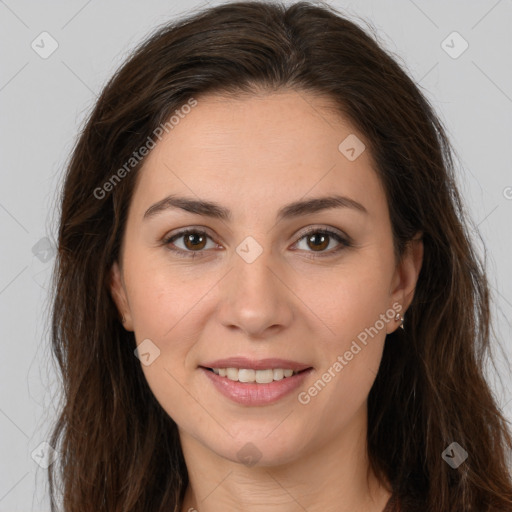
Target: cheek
point(350, 297)
point(169, 308)
point(356, 308)
point(163, 298)
point(168, 314)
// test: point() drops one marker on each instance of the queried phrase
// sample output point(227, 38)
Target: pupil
point(323, 237)
point(191, 237)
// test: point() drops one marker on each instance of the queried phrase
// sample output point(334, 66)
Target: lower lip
point(256, 394)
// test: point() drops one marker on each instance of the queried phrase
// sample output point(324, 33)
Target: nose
point(256, 297)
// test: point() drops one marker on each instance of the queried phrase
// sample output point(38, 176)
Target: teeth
point(278, 374)
point(249, 375)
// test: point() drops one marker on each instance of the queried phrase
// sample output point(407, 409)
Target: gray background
point(45, 100)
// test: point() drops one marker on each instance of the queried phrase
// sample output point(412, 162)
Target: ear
point(406, 275)
point(119, 295)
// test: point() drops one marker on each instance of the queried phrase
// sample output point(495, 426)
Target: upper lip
point(253, 364)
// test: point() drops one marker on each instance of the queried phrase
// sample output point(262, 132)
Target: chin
point(260, 450)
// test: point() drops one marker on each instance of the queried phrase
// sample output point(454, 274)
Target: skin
point(254, 155)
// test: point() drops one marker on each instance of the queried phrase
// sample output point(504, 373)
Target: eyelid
point(323, 228)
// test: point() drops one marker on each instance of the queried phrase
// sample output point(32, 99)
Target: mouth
point(253, 376)
point(251, 387)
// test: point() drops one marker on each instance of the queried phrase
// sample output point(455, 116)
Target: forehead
point(246, 149)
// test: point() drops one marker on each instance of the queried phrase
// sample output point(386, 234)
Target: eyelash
point(193, 254)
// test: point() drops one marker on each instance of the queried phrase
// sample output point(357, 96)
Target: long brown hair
point(120, 450)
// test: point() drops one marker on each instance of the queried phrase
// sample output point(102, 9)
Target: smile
point(241, 385)
point(259, 376)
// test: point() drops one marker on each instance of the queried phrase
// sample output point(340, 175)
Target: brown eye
point(194, 241)
point(318, 241)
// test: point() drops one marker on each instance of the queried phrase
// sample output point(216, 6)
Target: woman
point(266, 295)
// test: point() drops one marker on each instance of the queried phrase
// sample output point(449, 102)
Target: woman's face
point(256, 285)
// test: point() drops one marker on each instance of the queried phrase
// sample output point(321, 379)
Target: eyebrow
point(216, 211)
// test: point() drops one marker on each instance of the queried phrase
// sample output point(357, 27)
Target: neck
point(333, 476)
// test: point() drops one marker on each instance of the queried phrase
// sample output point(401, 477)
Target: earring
point(123, 320)
point(400, 318)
